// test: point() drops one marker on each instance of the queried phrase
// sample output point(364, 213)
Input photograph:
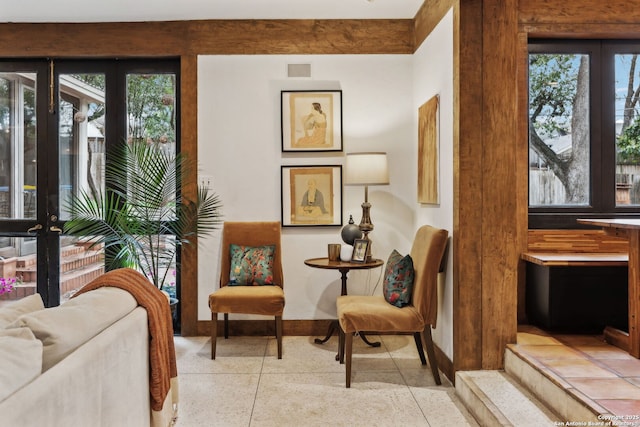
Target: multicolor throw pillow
point(398, 279)
point(251, 266)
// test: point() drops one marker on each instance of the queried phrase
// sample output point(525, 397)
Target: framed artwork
point(311, 195)
point(360, 247)
point(311, 120)
point(428, 152)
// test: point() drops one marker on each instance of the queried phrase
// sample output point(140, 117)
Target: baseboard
point(267, 327)
point(445, 365)
point(317, 328)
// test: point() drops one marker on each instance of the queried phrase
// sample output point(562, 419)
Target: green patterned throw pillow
point(398, 279)
point(251, 266)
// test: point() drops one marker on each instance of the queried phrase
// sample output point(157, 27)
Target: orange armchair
point(373, 314)
point(249, 299)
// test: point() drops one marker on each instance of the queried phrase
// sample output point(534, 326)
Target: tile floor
point(606, 378)
point(248, 386)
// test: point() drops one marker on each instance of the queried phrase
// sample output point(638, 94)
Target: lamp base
point(367, 256)
point(365, 223)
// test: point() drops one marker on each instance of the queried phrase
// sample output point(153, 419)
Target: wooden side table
point(344, 268)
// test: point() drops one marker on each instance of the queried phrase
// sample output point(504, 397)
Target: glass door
point(58, 120)
point(23, 149)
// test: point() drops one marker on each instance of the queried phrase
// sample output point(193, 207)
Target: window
point(584, 131)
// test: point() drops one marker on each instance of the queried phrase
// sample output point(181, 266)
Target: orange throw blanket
point(162, 355)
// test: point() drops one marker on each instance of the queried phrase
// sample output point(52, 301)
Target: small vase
point(345, 253)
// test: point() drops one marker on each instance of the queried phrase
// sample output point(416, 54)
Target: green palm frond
point(142, 219)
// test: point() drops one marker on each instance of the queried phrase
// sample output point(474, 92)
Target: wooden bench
point(576, 291)
point(577, 259)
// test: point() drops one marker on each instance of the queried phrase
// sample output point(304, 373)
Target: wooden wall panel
point(578, 11)
point(118, 39)
point(540, 240)
point(252, 37)
point(500, 251)
point(224, 37)
point(428, 16)
point(189, 146)
point(468, 186)
point(521, 189)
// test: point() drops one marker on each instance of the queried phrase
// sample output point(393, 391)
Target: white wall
point(433, 75)
point(239, 146)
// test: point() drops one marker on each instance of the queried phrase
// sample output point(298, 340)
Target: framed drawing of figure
point(311, 195)
point(311, 120)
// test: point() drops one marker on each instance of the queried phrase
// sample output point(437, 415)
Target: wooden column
point(468, 187)
point(634, 292)
point(501, 237)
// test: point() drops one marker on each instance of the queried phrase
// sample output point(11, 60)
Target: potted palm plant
point(142, 218)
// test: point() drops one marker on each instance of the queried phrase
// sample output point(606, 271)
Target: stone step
point(66, 252)
point(496, 399)
point(73, 260)
point(69, 283)
point(74, 280)
point(569, 405)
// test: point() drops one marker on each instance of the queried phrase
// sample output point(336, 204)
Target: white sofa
point(84, 363)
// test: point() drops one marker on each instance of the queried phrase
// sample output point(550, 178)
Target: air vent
point(299, 70)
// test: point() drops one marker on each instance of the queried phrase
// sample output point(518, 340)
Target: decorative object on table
point(311, 195)
point(346, 252)
point(360, 250)
point(333, 251)
point(311, 120)
point(142, 219)
point(350, 232)
point(428, 164)
point(366, 169)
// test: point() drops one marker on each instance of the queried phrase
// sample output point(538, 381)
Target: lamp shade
point(366, 169)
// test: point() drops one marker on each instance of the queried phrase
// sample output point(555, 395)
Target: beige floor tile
point(301, 354)
point(441, 407)
point(377, 399)
point(248, 386)
point(212, 400)
point(242, 355)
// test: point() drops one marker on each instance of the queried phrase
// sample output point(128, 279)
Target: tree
point(558, 106)
point(628, 142)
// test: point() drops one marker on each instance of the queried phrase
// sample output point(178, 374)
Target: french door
point(58, 120)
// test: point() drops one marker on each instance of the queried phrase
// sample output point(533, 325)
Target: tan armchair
point(265, 299)
point(373, 314)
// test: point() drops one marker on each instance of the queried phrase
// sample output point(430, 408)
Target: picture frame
point(311, 195)
point(311, 120)
point(428, 152)
point(360, 248)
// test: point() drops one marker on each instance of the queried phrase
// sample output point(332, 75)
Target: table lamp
point(366, 169)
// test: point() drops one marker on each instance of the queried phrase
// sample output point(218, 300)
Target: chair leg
point(226, 326)
point(340, 345)
point(349, 350)
point(279, 335)
point(418, 339)
point(431, 354)
point(214, 334)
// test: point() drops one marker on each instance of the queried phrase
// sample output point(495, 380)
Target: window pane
point(17, 146)
point(81, 136)
point(627, 130)
point(151, 114)
point(559, 142)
